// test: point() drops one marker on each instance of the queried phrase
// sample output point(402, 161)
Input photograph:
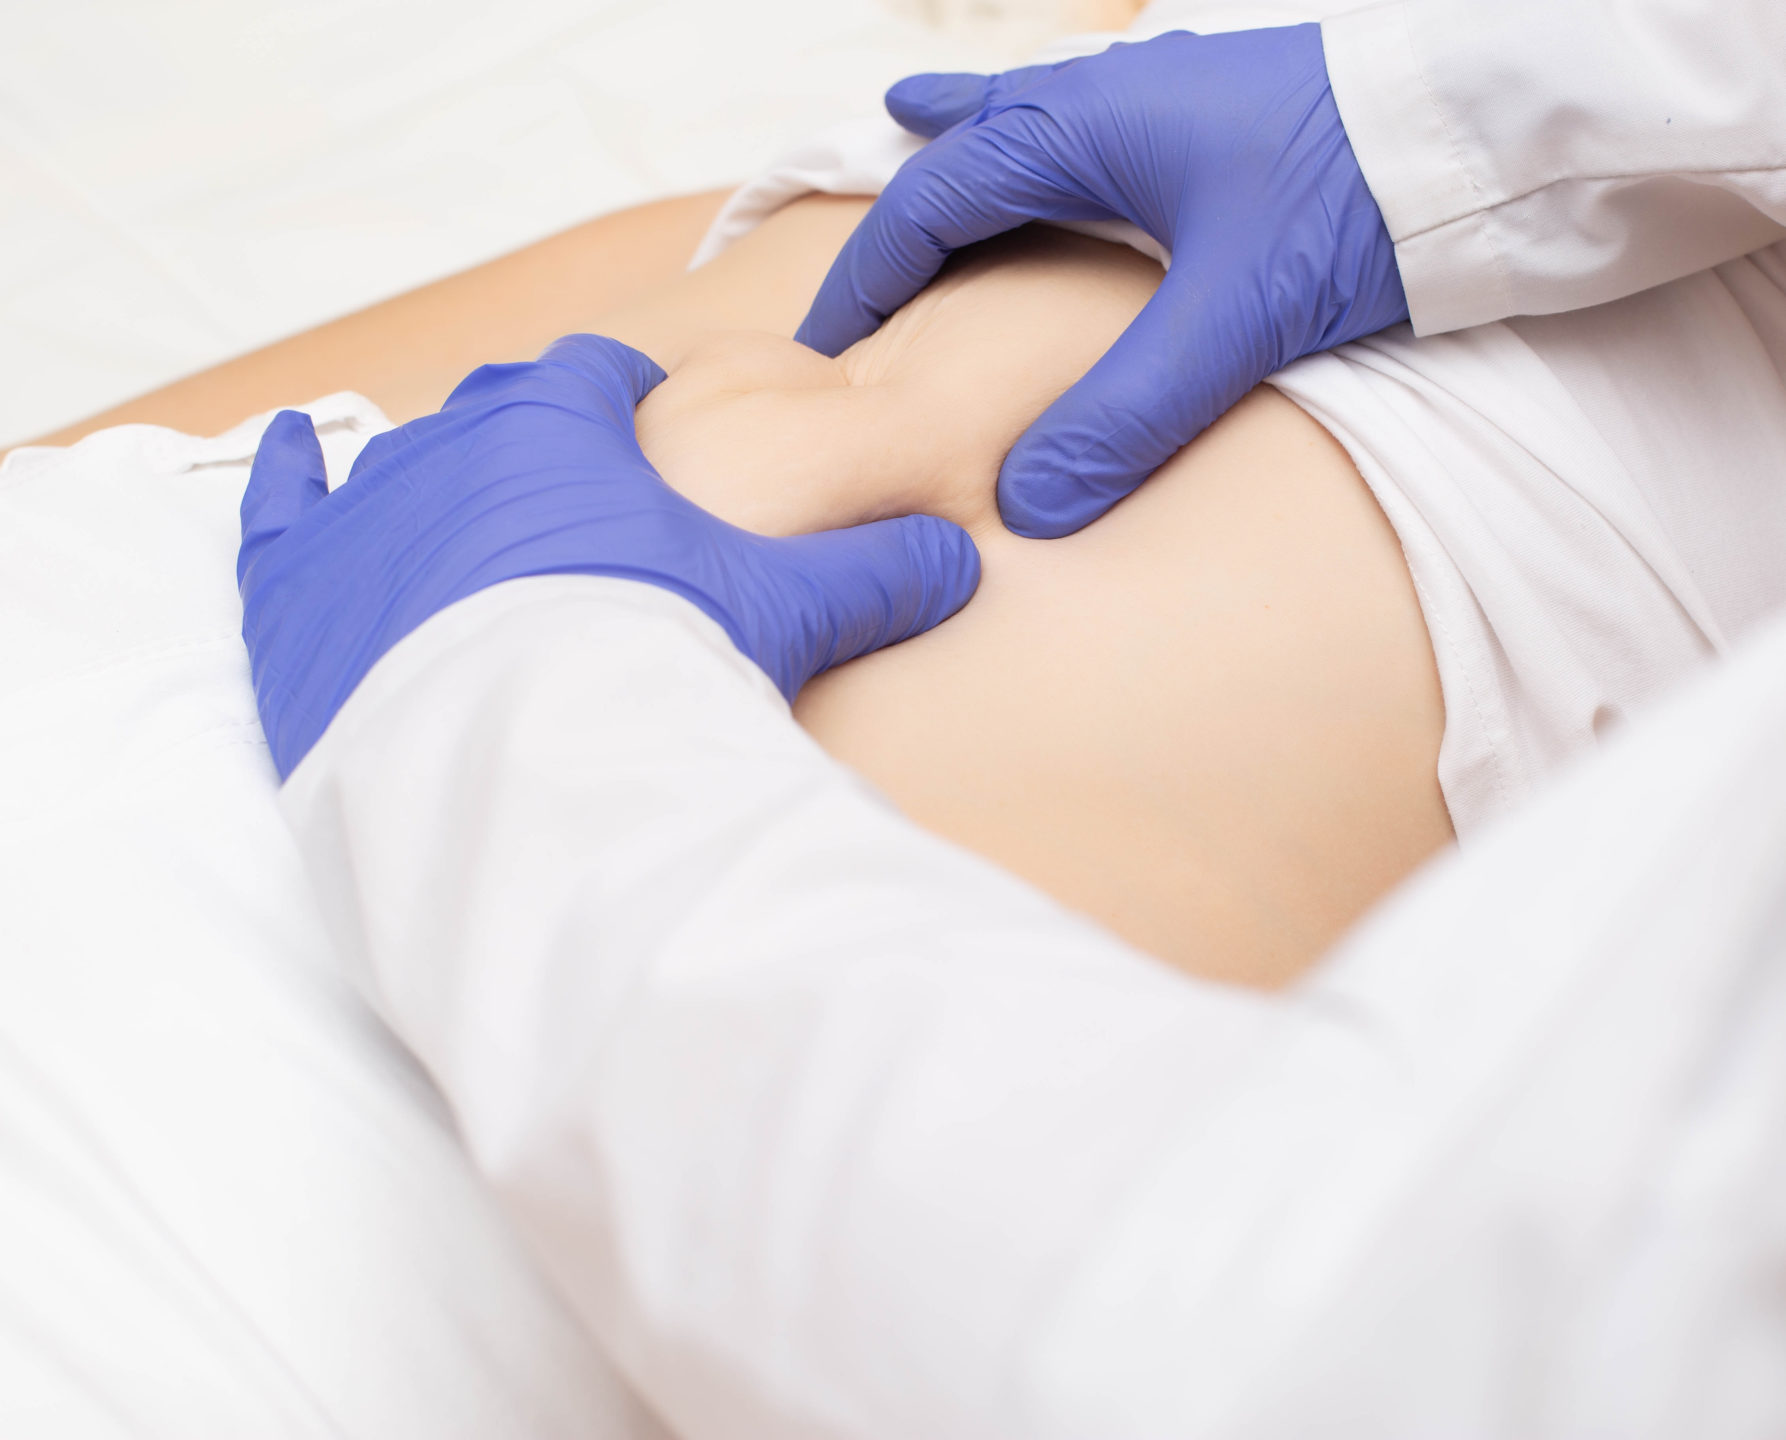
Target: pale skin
point(1210, 721)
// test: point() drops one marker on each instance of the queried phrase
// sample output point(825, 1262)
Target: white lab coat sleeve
point(827, 1128)
point(1536, 156)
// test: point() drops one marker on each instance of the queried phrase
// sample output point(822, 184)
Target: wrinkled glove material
point(535, 469)
point(1227, 149)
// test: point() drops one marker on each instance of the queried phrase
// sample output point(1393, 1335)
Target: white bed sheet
point(184, 181)
point(230, 1205)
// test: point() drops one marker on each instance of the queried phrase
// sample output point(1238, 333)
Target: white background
point(185, 180)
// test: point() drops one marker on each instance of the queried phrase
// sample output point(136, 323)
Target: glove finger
point(624, 374)
point(487, 384)
point(621, 375)
point(869, 586)
point(565, 372)
point(1178, 368)
point(973, 183)
point(288, 477)
point(927, 105)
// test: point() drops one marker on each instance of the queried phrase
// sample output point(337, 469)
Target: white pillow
point(229, 1203)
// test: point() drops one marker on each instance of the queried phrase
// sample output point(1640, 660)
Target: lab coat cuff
point(1435, 208)
point(484, 619)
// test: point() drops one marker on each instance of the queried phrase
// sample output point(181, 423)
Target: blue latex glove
point(535, 470)
point(1227, 149)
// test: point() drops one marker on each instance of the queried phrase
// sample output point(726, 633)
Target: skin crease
point(1210, 720)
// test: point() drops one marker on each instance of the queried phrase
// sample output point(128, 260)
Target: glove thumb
point(288, 477)
point(1175, 371)
point(927, 105)
point(873, 585)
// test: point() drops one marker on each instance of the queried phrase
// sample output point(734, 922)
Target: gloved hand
point(1227, 149)
point(534, 470)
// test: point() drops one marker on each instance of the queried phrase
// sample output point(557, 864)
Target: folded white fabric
point(229, 1205)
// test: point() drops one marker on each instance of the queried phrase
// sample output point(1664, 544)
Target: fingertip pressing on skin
point(914, 419)
point(775, 438)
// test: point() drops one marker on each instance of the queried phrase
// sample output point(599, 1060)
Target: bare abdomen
point(1210, 721)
